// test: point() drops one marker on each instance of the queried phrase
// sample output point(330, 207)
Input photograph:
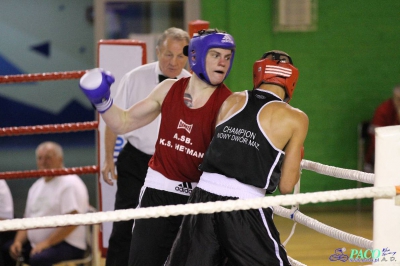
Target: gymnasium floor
point(314, 249)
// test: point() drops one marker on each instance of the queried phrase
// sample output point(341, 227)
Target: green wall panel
point(347, 67)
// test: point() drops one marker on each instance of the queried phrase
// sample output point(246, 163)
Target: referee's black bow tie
point(161, 78)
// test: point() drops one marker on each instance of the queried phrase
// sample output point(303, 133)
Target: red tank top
point(185, 133)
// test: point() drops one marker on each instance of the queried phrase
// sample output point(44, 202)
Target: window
point(295, 15)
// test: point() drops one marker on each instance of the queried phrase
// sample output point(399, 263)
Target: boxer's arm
point(293, 154)
point(96, 86)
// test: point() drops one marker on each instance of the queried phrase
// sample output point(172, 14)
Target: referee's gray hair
point(172, 33)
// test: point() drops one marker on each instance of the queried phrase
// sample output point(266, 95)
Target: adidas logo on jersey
point(185, 187)
point(227, 38)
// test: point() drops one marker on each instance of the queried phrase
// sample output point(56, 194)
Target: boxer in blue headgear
point(189, 107)
point(199, 46)
point(96, 83)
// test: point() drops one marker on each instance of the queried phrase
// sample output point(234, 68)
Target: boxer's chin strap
point(293, 210)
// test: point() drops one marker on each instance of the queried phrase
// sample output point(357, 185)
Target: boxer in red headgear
point(276, 67)
point(257, 148)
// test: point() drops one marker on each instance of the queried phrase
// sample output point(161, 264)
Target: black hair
point(209, 31)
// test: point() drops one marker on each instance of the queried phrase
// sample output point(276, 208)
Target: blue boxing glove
point(95, 84)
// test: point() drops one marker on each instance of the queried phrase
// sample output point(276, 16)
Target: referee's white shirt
point(6, 201)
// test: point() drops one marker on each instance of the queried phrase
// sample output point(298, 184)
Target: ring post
point(386, 233)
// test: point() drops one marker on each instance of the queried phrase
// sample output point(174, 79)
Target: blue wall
point(53, 36)
point(45, 36)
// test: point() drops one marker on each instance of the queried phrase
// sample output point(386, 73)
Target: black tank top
point(240, 149)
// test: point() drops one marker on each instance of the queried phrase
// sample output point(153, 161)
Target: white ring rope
point(303, 219)
point(185, 209)
point(295, 262)
point(338, 172)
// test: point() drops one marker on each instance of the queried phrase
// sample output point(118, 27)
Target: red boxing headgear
point(273, 68)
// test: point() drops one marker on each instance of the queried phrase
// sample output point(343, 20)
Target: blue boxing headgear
point(199, 46)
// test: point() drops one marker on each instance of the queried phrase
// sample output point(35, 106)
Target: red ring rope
point(42, 76)
point(68, 127)
point(49, 172)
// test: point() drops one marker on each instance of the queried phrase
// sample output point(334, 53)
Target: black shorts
point(247, 237)
point(152, 238)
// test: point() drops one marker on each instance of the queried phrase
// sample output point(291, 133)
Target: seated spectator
point(387, 114)
point(6, 212)
point(49, 196)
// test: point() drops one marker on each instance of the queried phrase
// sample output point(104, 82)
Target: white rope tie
point(293, 209)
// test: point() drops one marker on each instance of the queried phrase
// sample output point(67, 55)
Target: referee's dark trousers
point(131, 169)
